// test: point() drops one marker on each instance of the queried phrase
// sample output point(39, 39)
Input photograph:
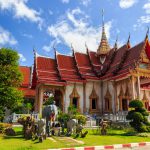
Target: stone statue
point(41, 129)
point(104, 125)
point(71, 126)
point(50, 112)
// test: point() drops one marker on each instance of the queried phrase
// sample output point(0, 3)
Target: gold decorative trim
point(92, 96)
point(75, 94)
point(108, 97)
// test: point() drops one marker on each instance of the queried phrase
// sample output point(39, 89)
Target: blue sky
point(43, 24)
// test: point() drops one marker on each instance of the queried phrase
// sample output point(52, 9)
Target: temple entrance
point(58, 98)
point(53, 95)
point(124, 104)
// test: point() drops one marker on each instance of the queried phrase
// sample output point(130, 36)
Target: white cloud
point(27, 35)
point(65, 1)
point(78, 31)
point(6, 37)
point(50, 12)
point(22, 58)
point(52, 44)
point(145, 19)
point(85, 2)
point(21, 10)
point(147, 7)
point(127, 3)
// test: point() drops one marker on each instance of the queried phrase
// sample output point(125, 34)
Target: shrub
point(10, 132)
point(136, 104)
point(3, 126)
point(81, 119)
point(137, 116)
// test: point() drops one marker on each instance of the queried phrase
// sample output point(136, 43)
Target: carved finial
point(147, 33)
point(71, 46)
point(87, 50)
point(116, 45)
point(54, 50)
point(128, 41)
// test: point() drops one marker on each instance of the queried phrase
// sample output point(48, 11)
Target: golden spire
point(103, 48)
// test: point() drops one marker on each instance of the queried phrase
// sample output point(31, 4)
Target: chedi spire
point(103, 48)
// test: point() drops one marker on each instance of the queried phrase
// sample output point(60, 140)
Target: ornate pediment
point(121, 94)
point(127, 93)
point(143, 57)
point(144, 96)
point(108, 95)
point(93, 94)
point(74, 93)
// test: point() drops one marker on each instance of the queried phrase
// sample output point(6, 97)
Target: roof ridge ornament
point(128, 41)
point(72, 48)
point(147, 33)
point(116, 43)
point(87, 50)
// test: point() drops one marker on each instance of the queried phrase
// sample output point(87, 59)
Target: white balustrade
point(15, 117)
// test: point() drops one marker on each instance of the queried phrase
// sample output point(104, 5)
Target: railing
point(15, 117)
point(120, 116)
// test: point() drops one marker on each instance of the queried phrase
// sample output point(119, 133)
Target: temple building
point(94, 82)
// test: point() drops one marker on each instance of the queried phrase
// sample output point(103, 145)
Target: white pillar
point(40, 99)
point(138, 87)
point(133, 87)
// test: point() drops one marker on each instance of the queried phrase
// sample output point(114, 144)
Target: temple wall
point(112, 94)
point(88, 91)
point(68, 91)
point(147, 92)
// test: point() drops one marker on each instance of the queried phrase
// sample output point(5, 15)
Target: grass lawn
point(115, 137)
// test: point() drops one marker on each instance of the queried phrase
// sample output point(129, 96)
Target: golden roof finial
point(103, 48)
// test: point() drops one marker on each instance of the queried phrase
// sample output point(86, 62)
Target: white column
point(138, 87)
point(133, 87)
point(40, 99)
point(36, 99)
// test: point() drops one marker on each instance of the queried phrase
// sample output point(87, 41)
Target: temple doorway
point(58, 98)
point(124, 104)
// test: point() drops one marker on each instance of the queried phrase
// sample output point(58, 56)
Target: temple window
point(93, 101)
point(74, 98)
point(75, 102)
point(124, 104)
point(145, 100)
point(107, 105)
point(108, 101)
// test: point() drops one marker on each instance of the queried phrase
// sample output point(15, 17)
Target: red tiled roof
point(26, 71)
point(46, 69)
point(84, 66)
point(67, 68)
point(147, 49)
point(28, 92)
point(132, 57)
point(116, 61)
point(95, 61)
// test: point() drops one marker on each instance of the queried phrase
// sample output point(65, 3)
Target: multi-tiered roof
point(81, 67)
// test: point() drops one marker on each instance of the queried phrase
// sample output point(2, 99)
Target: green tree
point(10, 79)
point(138, 116)
point(29, 107)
